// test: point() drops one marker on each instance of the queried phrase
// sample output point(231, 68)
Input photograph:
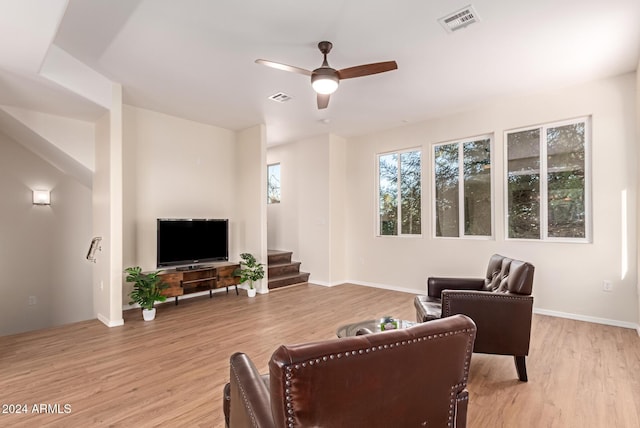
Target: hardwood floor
point(170, 372)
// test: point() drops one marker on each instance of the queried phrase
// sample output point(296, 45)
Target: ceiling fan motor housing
point(325, 47)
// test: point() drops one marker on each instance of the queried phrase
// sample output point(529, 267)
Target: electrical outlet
point(607, 285)
point(32, 300)
point(101, 285)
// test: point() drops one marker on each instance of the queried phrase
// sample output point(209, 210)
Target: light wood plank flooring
point(170, 372)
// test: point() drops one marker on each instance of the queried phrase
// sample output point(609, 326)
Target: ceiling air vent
point(459, 19)
point(280, 97)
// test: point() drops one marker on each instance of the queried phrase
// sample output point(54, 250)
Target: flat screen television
point(192, 242)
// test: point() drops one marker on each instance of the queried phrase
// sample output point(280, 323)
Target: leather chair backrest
point(408, 377)
point(509, 275)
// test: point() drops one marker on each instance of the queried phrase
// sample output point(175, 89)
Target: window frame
point(544, 189)
point(269, 201)
point(461, 217)
point(377, 223)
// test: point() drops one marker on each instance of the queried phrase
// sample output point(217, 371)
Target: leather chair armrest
point(435, 285)
point(427, 308)
point(250, 403)
point(503, 319)
point(462, 403)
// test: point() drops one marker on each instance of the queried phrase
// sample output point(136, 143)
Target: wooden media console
point(187, 281)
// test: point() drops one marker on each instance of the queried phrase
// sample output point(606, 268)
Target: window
point(462, 188)
point(399, 193)
point(273, 183)
point(548, 182)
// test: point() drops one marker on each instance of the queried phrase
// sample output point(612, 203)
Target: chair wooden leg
point(521, 367)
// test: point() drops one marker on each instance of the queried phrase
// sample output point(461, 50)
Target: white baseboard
point(326, 284)
point(388, 287)
point(587, 318)
point(109, 323)
point(577, 317)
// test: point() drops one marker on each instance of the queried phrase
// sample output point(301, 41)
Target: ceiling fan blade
point(367, 69)
point(323, 101)
point(284, 67)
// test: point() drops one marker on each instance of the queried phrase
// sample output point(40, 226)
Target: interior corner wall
point(173, 168)
point(638, 169)
point(301, 222)
point(43, 247)
point(337, 209)
point(249, 230)
point(116, 186)
point(569, 276)
point(101, 226)
point(108, 213)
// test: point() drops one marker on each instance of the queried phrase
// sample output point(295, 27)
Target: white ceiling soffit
point(67, 71)
point(28, 29)
point(51, 153)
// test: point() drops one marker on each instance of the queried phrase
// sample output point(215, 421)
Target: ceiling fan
point(325, 79)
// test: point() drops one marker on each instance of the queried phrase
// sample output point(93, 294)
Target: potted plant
point(249, 270)
point(147, 290)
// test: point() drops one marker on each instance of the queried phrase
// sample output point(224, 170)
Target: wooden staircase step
point(286, 280)
point(283, 269)
point(275, 257)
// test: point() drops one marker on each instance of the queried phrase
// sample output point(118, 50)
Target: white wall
point(568, 277)
point(249, 228)
point(70, 275)
point(337, 209)
point(301, 222)
point(173, 168)
point(108, 213)
point(101, 228)
point(638, 169)
point(43, 247)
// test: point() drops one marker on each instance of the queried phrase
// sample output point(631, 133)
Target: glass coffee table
point(373, 326)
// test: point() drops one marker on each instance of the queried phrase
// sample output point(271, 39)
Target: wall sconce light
point(41, 197)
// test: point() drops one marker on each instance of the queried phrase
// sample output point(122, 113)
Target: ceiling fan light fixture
point(325, 80)
point(324, 83)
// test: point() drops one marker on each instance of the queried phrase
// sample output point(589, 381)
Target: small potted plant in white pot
point(249, 270)
point(147, 290)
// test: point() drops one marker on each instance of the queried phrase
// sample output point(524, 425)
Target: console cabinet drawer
point(173, 282)
point(181, 282)
point(226, 278)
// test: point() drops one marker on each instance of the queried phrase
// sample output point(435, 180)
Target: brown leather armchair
point(500, 304)
point(408, 377)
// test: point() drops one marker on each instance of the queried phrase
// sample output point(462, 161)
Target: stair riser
point(275, 259)
point(276, 283)
point(284, 269)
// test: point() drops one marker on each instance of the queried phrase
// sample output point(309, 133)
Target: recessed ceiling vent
point(459, 19)
point(280, 97)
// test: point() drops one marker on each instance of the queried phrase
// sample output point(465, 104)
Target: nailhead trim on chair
point(247, 402)
point(452, 402)
point(483, 296)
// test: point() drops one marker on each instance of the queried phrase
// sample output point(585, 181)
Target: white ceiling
point(195, 58)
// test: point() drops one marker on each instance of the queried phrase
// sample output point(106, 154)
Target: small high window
point(273, 183)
